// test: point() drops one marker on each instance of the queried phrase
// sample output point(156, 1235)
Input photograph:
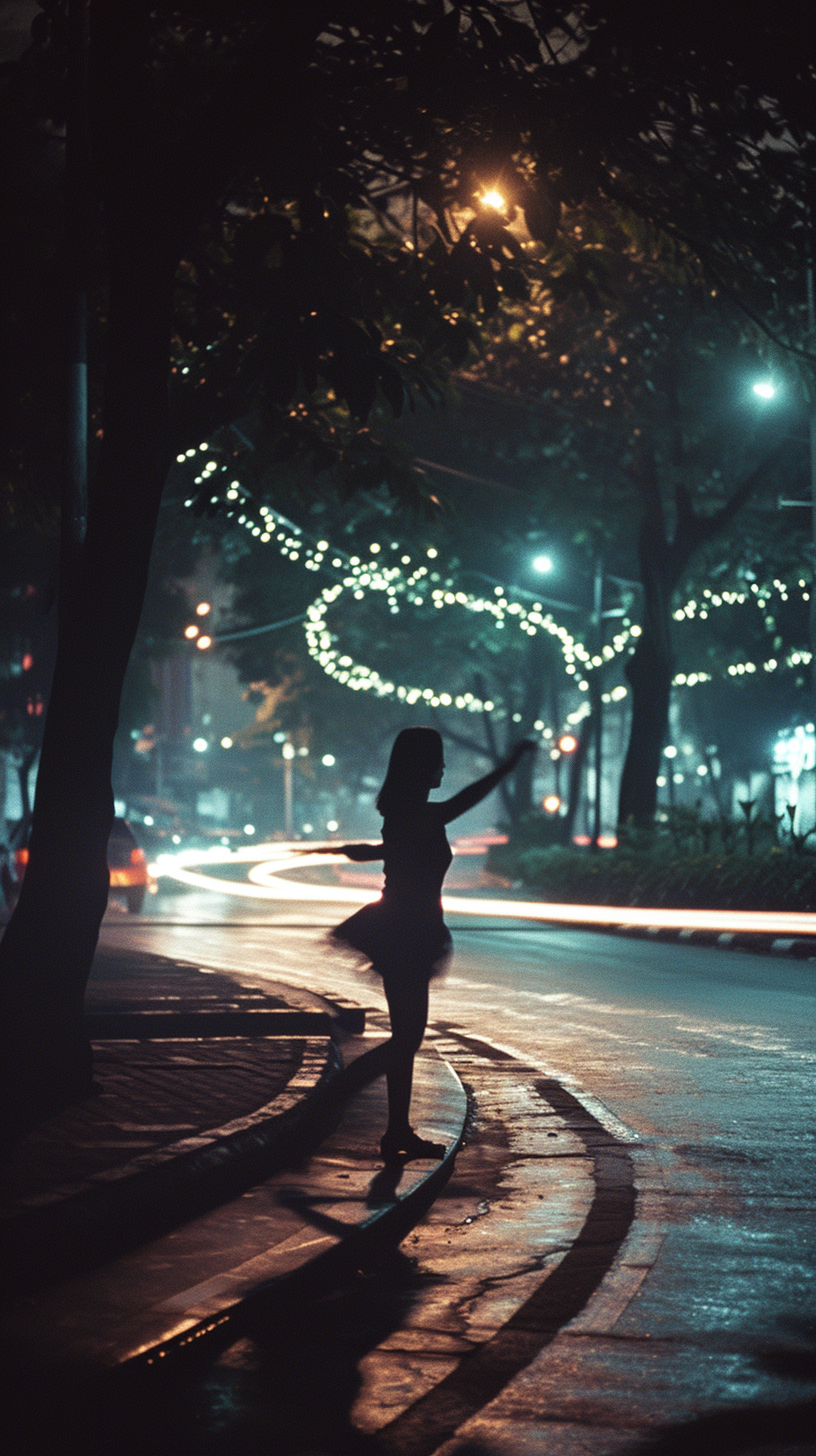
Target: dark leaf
point(392, 386)
point(453, 341)
point(514, 283)
point(541, 214)
point(259, 238)
point(520, 39)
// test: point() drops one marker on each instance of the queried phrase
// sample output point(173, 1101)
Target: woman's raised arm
point(474, 793)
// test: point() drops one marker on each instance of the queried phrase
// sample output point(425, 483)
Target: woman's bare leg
point(400, 1078)
point(408, 1012)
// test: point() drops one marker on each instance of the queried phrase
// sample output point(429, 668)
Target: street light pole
point(597, 693)
point(811, 319)
point(781, 503)
point(288, 752)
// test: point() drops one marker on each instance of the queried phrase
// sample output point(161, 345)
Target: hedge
point(660, 875)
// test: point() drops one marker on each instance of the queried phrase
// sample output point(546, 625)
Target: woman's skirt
point(406, 939)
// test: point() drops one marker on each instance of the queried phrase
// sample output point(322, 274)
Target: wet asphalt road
point(703, 1061)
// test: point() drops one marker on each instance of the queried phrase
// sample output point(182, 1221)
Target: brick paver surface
point(138, 980)
point(151, 1094)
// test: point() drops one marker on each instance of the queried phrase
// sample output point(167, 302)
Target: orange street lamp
point(493, 199)
point(568, 743)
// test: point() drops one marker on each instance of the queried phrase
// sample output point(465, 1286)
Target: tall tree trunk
point(534, 690)
point(516, 791)
point(577, 762)
point(650, 677)
point(48, 947)
point(155, 187)
point(650, 669)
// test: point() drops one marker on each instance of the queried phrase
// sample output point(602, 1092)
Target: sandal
point(402, 1148)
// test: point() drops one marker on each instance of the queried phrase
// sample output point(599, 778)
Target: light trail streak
point(266, 883)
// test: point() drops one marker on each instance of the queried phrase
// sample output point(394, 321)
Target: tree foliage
point(403, 115)
point(403, 111)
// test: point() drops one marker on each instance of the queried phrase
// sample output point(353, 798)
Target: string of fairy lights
point(763, 598)
point(403, 581)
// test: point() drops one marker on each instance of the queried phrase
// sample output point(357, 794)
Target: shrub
point(673, 866)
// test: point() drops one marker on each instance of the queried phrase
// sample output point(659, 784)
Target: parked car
point(126, 863)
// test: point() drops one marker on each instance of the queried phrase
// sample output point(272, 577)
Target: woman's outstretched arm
point(360, 852)
point(474, 793)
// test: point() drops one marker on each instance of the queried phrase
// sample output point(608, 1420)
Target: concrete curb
point(329, 1258)
point(123, 1321)
point(795, 947)
point(72, 1227)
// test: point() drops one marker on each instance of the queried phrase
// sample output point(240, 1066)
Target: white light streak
point(272, 860)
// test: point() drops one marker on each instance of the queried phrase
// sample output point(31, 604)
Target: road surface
point(700, 1063)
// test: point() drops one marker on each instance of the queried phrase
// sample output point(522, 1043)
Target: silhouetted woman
point(403, 934)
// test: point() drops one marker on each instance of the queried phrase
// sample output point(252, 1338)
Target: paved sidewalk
point(206, 1172)
point(178, 1121)
point(306, 1223)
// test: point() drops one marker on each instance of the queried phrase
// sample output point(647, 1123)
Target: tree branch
point(721, 518)
point(694, 531)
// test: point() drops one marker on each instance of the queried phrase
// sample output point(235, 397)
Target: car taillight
point(137, 857)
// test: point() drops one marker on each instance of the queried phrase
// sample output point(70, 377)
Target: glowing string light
point(762, 596)
point(417, 590)
point(400, 589)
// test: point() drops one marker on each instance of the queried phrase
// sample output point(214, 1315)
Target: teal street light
point(542, 564)
point(765, 389)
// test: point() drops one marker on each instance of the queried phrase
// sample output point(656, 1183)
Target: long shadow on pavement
point(285, 1385)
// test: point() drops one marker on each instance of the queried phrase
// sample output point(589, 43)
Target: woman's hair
point(415, 760)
